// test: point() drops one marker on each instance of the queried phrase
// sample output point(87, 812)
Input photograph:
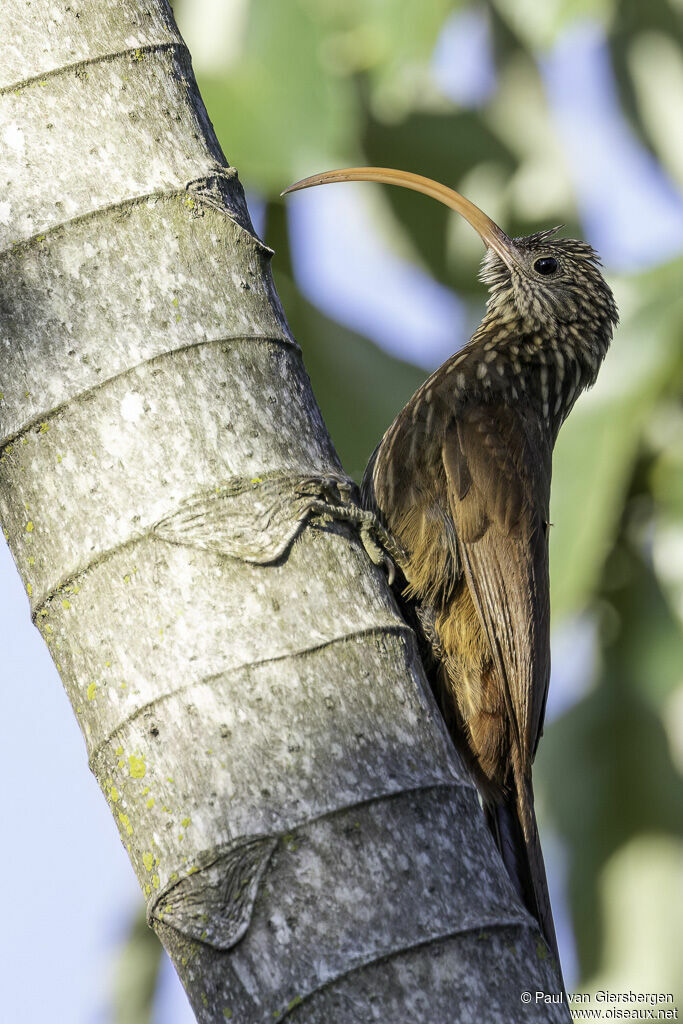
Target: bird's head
point(545, 283)
point(550, 282)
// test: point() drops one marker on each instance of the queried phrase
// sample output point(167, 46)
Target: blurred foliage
point(645, 46)
point(598, 447)
point(136, 974)
point(344, 367)
point(295, 86)
point(270, 97)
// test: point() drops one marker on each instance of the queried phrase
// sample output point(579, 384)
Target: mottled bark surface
point(253, 705)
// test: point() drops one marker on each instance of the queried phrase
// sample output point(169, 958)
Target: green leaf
point(445, 147)
point(539, 25)
point(386, 38)
point(279, 110)
point(666, 477)
point(137, 973)
point(666, 486)
point(644, 643)
point(656, 68)
point(648, 111)
point(643, 923)
point(605, 770)
point(598, 445)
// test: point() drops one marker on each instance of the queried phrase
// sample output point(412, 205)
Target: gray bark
point(252, 703)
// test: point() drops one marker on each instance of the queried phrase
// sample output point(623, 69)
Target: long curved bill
point(491, 235)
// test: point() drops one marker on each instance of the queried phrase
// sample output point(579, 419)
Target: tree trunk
point(253, 705)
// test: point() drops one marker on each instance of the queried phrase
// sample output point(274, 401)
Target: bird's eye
point(546, 265)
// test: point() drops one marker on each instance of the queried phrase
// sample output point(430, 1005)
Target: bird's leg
point(337, 499)
point(426, 616)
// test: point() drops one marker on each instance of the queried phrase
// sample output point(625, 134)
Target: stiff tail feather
point(513, 826)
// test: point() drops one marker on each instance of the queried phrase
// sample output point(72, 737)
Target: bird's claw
point(375, 551)
point(380, 546)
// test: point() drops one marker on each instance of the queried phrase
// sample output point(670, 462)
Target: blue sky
point(69, 891)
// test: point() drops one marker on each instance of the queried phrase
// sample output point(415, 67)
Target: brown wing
point(497, 461)
point(405, 483)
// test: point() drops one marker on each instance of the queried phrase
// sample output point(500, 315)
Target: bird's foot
point(337, 500)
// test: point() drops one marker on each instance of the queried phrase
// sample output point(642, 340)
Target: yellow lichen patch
point(44, 427)
point(29, 526)
point(119, 751)
point(145, 791)
point(66, 604)
point(181, 836)
point(185, 822)
point(193, 870)
point(156, 882)
point(121, 764)
point(29, 589)
point(227, 1012)
point(114, 794)
point(31, 560)
point(137, 767)
point(151, 802)
point(90, 692)
point(126, 578)
point(123, 818)
point(148, 860)
point(173, 877)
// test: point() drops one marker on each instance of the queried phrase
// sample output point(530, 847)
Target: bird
point(461, 482)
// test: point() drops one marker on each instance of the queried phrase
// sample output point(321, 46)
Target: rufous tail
point(513, 826)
